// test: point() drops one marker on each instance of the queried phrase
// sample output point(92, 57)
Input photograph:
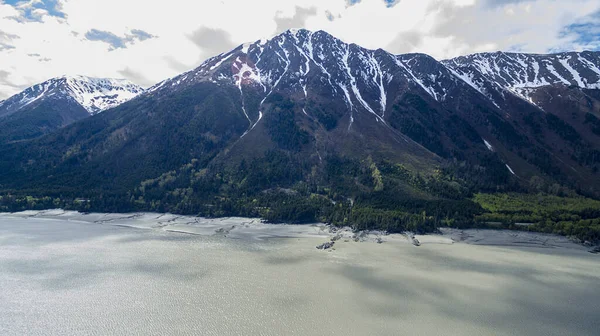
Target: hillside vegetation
point(570, 216)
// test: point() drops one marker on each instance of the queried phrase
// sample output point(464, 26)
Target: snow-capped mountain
point(314, 97)
point(93, 94)
point(522, 73)
point(371, 92)
point(58, 102)
point(304, 63)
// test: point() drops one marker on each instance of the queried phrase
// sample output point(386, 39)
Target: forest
point(365, 195)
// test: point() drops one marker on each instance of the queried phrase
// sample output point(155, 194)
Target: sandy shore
point(249, 228)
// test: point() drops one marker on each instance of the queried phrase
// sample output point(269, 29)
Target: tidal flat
point(66, 273)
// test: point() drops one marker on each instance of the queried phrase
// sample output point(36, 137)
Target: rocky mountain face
point(494, 74)
point(562, 91)
point(305, 107)
point(346, 93)
point(60, 101)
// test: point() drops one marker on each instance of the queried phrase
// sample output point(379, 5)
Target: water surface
point(62, 276)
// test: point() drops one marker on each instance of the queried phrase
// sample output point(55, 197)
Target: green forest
point(365, 195)
point(569, 216)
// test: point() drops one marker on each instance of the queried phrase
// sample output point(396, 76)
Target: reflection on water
point(68, 277)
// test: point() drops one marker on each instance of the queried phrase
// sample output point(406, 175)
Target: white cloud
point(37, 45)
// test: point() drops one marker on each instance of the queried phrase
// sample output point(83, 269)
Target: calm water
point(60, 277)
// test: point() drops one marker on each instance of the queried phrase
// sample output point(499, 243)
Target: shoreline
point(255, 229)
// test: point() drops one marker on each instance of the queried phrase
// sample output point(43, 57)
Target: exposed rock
point(326, 246)
point(224, 230)
point(360, 236)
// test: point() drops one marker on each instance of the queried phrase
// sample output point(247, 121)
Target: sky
point(147, 41)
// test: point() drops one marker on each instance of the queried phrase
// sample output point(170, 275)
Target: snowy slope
point(93, 94)
point(299, 62)
point(99, 94)
point(521, 73)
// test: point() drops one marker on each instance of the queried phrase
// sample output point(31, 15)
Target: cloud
point(35, 10)
point(117, 42)
point(4, 46)
point(389, 3)
point(535, 26)
point(584, 34)
point(6, 82)
point(212, 41)
point(101, 38)
point(5, 41)
point(136, 77)
point(113, 40)
point(501, 3)
point(141, 35)
point(298, 20)
point(5, 37)
point(177, 65)
point(406, 42)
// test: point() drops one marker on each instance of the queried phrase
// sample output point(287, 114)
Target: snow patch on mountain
point(510, 170)
point(100, 94)
point(516, 71)
point(93, 94)
point(574, 74)
point(488, 145)
point(520, 73)
point(299, 61)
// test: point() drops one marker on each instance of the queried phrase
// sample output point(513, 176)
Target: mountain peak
point(93, 94)
point(300, 62)
point(99, 94)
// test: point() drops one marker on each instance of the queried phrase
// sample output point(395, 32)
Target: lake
point(63, 273)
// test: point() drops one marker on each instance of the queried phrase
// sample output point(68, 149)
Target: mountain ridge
point(323, 122)
point(108, 92)
point(57, 102)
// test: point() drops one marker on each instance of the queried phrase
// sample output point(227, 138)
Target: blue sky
point(51, 6)
point(115, 41)
point(147, 41)
point(586, 31)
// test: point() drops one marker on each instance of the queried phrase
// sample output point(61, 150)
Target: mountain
point(562, 93)
point(303, 126)
point(523, 73)
point(58, 102)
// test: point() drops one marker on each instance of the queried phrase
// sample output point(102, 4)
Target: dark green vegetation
point(570, 216)
point(359, 194)
point(282, 127)
point(114, 151)
point(594, 123)
point(39, 119)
